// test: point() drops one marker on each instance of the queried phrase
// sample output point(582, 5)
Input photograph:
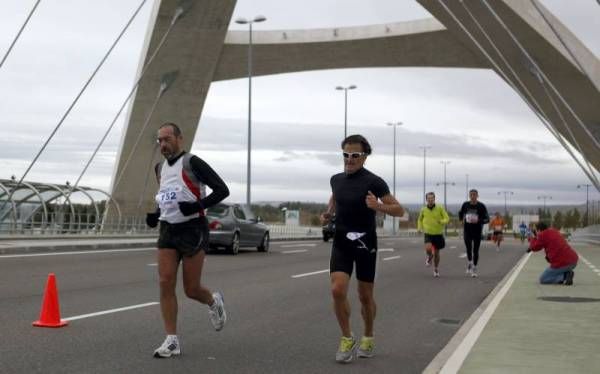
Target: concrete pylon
point(202, 51)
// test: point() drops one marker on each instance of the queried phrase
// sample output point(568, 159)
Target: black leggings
point(472, 242)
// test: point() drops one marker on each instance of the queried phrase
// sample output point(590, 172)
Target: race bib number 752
point(168, 195)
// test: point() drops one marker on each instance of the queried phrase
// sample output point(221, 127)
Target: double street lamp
point(544, 197)
point(394, 125)
point(445, 183)
point(587, 201)
point(505, 193)
point(243, 21)
point(345, 89)
point(425, 148)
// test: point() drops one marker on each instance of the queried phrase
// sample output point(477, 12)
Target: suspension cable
point(562, 41)
point(164, 86)
point(589, 172)
point(537, 109)
point(19, 33)
point(532, 61)
point(148, 169)
point(79, 95)
point(179, 12)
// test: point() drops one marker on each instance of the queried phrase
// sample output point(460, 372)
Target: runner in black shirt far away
point(357, 194)
point(474, 215)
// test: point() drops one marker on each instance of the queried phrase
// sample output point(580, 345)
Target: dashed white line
point(79, 252)
point(110, 311)
point(385, 250)
point(311, 273)
point(154, 264)
point(462, 255)
point(298, 245)
point(295, 251)
point(391, 258)
point(452, 246)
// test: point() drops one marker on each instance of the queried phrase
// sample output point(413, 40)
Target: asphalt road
point(278, 323)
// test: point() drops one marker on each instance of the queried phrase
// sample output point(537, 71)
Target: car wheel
point(234, 247)
point(264, 244)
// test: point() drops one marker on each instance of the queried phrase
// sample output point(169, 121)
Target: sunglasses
point(353, 154)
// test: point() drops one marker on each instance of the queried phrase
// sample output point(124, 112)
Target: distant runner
point(497, 226)
point(432, 220)
point(473, 214)
point(523, 231)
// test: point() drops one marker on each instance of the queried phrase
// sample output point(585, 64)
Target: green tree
point(568, 221)
point(576, 218)
point(558, 220)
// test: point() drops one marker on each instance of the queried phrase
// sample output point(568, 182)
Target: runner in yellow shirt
point(432, 220)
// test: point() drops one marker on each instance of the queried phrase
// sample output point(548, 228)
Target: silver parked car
point(233, 226)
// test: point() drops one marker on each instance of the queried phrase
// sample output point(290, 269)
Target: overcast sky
point(468, 117)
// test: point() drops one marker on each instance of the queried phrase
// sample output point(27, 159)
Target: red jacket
point(558, 251)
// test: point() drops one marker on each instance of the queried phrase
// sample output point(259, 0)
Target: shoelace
point(346, 344)
point(165, 345)
point(366, 344)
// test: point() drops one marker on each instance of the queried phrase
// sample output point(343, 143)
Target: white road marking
point(110, 311)
point(79, 252)
point(311, 273)
point(287, 242)
point(154, 264)
point(391, 258)
point(295, 251)
point(457, 358)
point(385, 250)
point(452, 246)
point(298, 245)
point(462, 255)
point(597, 270)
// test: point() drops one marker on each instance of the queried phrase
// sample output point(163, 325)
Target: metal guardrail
point(86, 225)
point(589, 234)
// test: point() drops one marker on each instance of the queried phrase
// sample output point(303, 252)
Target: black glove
point(152, 218)
point(189, 208)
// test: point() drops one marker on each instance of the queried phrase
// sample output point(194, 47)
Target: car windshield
point(218, 210)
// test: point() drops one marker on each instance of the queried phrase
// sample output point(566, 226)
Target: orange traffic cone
point(50, 314)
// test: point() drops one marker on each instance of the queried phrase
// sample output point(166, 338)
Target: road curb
point(438, 362)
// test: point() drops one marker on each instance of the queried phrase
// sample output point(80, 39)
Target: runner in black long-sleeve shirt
point(474, 215)
point(183, 234)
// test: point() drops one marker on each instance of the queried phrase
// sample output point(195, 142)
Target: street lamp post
point(587, 201)
point(544, 197)
point(394, 125)
point(243, 21)
point(505, 193)
point(445, 183)
point(425, 147)
point(345, 89)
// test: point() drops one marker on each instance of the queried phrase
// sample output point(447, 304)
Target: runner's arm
point(209, 177)
point(389, 205)
point(327, 215)
point(445, 218)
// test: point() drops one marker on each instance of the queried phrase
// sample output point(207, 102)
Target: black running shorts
point(362, 251)
point(188, 238)
point(438, 241)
